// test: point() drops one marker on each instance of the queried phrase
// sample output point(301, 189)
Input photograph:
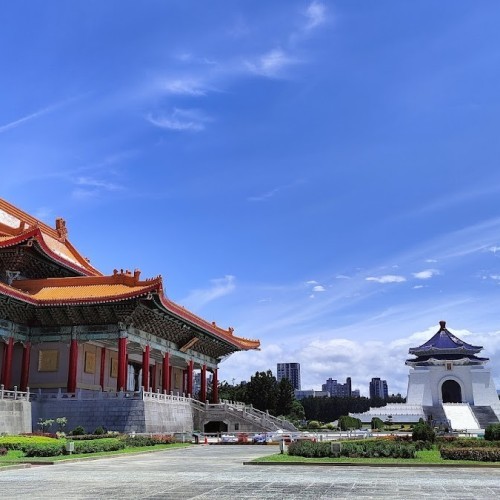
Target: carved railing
point(14, 395)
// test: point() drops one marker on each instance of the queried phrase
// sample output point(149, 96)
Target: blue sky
point(320, 175)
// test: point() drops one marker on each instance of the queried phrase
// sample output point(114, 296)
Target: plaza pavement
point(217, 472)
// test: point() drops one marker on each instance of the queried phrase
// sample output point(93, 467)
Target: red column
point(103, 365)
point(165, 386)
point(145, 368)
point(73, 365)
point(7, 363)
point(125, 386)
point(190, 371)
point(203, 389)
point(122, 364)
point(25, 367)
point(215, 387)
point(184, 381)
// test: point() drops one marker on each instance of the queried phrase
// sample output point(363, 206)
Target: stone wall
point(15, 416)
point(122, 415)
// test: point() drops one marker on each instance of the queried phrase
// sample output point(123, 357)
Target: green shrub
point(468, 443)
point(134, 441)
point(20, 442)
point(313, 424)
point(44, 449)
point(98, 445)
point(100, 431)
point(376, 423)
point(78, 431)
point(484, 454)
point(364, 449)
point(423, 432)
point(346, 423)
point(492, 432)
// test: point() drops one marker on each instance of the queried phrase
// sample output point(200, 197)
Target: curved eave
point(183, 314)
point(104, 299)
point(417, 351)
point(83, 268)
point(436, 361)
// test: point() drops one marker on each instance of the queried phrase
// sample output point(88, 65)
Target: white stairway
point(460, 416)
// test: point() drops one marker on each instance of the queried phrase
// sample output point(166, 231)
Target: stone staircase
point(249, 419)
point(461, 417)
point(436, 415)
point(484, 415)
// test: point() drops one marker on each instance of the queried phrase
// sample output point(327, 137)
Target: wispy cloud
point(219, 287)
point(426, 274)
point(273, 192)
point(315, 15)
point(181, 120)
point(272, 63)
point(494, 249)
point(319, 288)
point(387, 278)
point(188, 86)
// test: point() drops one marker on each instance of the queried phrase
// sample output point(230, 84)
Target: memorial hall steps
point(484, 415)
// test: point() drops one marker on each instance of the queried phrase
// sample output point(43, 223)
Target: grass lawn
point(424, 457)
point(16, 456)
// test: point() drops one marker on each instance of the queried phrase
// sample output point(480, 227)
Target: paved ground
point(209, 472)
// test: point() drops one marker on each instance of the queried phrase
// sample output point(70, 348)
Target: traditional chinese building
point(448, 385)
point(69, 332)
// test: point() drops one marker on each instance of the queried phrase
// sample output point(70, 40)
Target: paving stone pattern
point(209, 472)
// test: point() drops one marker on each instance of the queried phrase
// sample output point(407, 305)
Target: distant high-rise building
point(291, 371)
point(378, 388)
point(338, 390)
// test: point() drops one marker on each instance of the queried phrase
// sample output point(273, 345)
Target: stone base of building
point(15, 417)
point(121, 412)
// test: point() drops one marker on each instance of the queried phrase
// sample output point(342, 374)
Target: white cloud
point(387, 278)
point(495, 277)
point(185, 87)
point(430, 261)
point(271, 64)
point(342, 277)
point(426, 274)
point(311, 282)
point(319, 288)
point(89, 181)
point(182, 120)
point(315, 14)
point(494, 249)
point(219, 288)
point(416, 287)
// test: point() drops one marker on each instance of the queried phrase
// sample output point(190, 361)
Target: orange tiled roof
point(16, 226)
point(105, 289)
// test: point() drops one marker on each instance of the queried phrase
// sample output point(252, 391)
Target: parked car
point(228, 438)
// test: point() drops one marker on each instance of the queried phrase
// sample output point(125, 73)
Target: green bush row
point(492, 432)
point(133, 441)
point(484, 454)
point(362, 449)
point(108, 444)
point(467, 443)
point(20, 442)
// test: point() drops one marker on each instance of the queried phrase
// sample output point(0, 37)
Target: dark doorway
point(213, 427)
point(451, 392)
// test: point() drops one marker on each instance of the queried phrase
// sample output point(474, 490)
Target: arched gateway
point(451, 392)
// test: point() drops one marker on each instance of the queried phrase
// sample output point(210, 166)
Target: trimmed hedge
point(469, 443)
point(97, 445)
point(358, 449)
point(484, 454)
point(492, 432)
point(44, 449)
point(21, 442)
point(134, 441)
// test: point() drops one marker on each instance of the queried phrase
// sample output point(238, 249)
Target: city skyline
point(319, 175)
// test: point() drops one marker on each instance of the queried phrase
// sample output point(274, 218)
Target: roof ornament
point(442, 324)
point(62, 230)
